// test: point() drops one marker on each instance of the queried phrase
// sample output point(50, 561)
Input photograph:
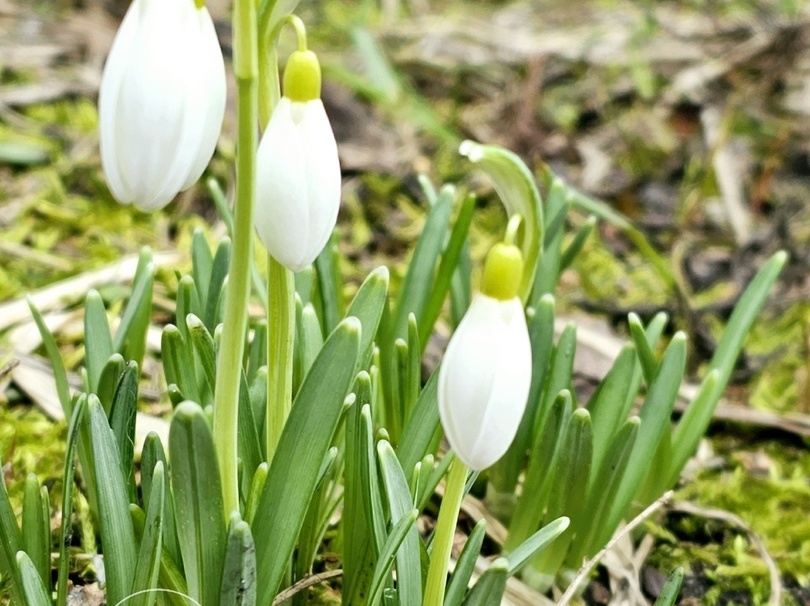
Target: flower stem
point(229, 367)
point(445, 529)
point(280, 332)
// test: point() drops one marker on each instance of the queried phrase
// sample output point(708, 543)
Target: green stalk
point(280, 332)
point(445, 530)
point(229, 367)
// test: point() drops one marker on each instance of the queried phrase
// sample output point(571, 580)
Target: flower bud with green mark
point(485, 375)
point(298, 182)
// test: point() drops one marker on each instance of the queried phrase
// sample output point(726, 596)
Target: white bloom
point(161, 101)
point(298, 183)
point(484, 380)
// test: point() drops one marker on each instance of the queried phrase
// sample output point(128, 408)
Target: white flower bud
point(484, 380)
point(298, 183)
point(161, 101)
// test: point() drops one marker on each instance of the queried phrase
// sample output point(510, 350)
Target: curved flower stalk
point(485, 375)
point(298, 183)
point(161, 101)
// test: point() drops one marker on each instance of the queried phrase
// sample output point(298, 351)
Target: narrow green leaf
point(201, 263)
point(250, 445)
point(115, 523)
point(99, 344)
point(178, 362)
point(205, 349)
point(301, 450)
point(607, 403)
point(465, 565)
point(257, 356)
point(255, 493)
point(559, 376)
point(655, 417)
point(32, 587)
point(122, 422)
point(367, 306)
point(239, 572)
point(199, 509)
point(489, 589)
point(130, 337)
point(418, 282)
point(388, 553)
point(548, 268)
point(67, 496)
point(538, 482)
point(577, 244)
point(451, 256)
point(570, 475)
point(316, 519)
point(696, 419)
point(602, 490)
point(362, 511)
point(329, 286)
point(649, 365)
point(187, 303)
point(36, 527)
point(11, 542)
point(54, 357)
point(536, 543)
point(422, 428)
point(108, 381)
point(461, 286)
point(152, 454)
point(147, 568)
point(219, 272)
point(408, 563)
point(669, 594)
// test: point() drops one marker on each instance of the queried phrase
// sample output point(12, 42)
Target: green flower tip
point(302, 77)
point(503, 271)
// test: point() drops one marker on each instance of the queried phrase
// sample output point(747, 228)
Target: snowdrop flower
point(298, 182)
point(485, 375)
point(161, 101)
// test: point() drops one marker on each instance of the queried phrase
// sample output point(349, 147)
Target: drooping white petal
point(282, 216)
point(484, 381)
point(298, 183)
point(161, 101)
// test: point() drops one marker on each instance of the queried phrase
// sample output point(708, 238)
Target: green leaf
point(559, 376)
point(257, 356)
point(115, 523)
point(255, 492)
point(669, 594)
point(36, 527)
point(362, 521)
point(35, 592)
point(239, 572)
point(250, 444)
point(461, 286)
point(178, 362)
point(308, 341)
point(199, 508)
point(67, 497)
point(151, 455)
point(122, 422)
point(451, 256)
point(301, 450)
point(548, 268)
point(419, 278)
point(367, 306)
point(317, 518)
point(219, 272)
point(519, 194)
point(465, 565)
point(10, 543)
point(649, 365)
point(489, 589)
point(97, 339)
point(147, 568)
point(576, 245)
point(387, 554)
point(539, 480)
point(201, 263)
point(108, 381)
point(655, 418)
point(130, 337)
point(205, 348)
point(422, 428)
point(570, 476)
point(698, 414)
point(400, 504)
point(602, 490)
point(536, 543)
point(330, 286)
point(54, 357)
point(607, 403)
